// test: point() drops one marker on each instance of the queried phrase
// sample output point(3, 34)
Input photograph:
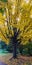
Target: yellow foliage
point(19, 15)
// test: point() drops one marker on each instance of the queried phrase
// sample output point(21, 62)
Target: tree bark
point(14, 51)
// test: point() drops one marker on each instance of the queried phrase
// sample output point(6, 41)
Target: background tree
point(17, 14)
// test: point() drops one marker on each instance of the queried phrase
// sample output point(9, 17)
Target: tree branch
point(3, 34)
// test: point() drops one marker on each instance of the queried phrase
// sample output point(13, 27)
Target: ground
point(21, 60)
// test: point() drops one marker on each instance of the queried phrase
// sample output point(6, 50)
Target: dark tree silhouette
point(15, 41)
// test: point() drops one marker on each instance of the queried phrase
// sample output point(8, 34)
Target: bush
point(26, 49)
point(29, 46)
point(21, 48)
point(9, 47)
point(3, 45)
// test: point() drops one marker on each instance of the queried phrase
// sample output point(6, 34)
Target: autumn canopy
point(16, 13)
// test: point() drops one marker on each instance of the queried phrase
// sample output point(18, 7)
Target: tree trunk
point(14, 51)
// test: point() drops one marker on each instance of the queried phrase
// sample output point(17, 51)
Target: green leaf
point(2, 11)
point(4, 0)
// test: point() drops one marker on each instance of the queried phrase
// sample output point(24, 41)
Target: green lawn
point(3, 52)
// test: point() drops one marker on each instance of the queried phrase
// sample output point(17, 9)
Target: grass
point(3, 52)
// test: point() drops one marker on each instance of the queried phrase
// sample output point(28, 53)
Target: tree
point(17, 14)
point(15, 41)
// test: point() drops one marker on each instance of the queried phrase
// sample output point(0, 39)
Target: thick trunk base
point(14, 52)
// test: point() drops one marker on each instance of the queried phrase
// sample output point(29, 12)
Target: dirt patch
point(21, 60)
